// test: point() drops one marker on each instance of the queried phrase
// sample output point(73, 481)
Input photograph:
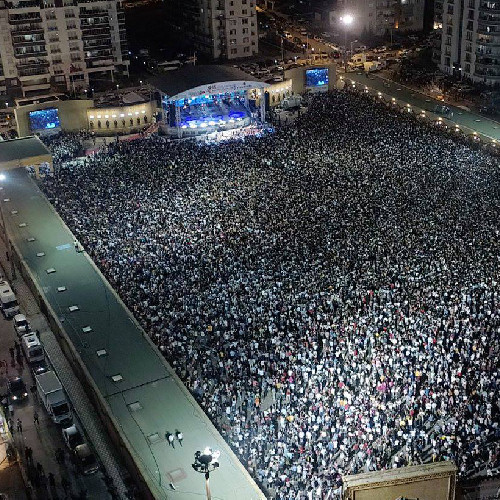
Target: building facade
point(381, 17)
point(221, 29)
point(60, 42)
point(470, 39)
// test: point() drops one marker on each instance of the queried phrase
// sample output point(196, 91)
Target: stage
point(225, 104)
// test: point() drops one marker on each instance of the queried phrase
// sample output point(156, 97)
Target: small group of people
point(329, 293)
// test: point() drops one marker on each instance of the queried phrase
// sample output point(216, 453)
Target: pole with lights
point(346, 20)
point(206, 462)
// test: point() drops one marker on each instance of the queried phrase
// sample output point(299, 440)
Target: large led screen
point(44, 119)
point(316, 77)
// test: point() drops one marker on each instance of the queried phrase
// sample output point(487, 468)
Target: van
point(32, 348)
point(8, 301)
point(21, 325)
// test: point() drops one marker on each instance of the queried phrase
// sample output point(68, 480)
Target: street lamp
point(346, 20)
point(206, 462)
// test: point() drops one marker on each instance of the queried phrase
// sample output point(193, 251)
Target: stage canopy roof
point(195, 80)
point(23, 152)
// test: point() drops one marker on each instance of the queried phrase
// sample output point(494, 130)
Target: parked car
point(21, 325)
point(72, 437)
point(39, 367)
point(85, 459)
point(17, 389)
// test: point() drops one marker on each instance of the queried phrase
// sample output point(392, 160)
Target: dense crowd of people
point(329, 293)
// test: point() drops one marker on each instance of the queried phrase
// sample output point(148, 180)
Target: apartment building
point(222, 29)
point(470, 39)
point(381, 17)
point(63, 43)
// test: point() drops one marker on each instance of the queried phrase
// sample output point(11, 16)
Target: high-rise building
point(381, 17)
point(470, 39)
point(221, 29)
point(60, 42)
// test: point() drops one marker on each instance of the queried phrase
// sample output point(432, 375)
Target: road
point(485, 126)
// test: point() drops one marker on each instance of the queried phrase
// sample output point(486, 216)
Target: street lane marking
point(63, 247)
point(86, 329)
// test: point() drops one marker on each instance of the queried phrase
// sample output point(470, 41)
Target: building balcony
point(89, 35)
point(484, 8)
point(27, 30)
point(32, 63)
point(101, 46)
point(25, 18)
point(495, 20)
point(488, 62)
point(481, 30)
point(33, 73)
point(93, 13)
point(488, 52)
point(24, 55)
point(100, 63)
point(93, 26)
point(488, 75)
point(27, 43)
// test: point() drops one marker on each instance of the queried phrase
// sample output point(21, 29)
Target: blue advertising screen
point(44, 119)
point(316, 77)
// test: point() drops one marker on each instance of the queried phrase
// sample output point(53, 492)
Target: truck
point(52, 395)
point(373, 66)
point(8, 301)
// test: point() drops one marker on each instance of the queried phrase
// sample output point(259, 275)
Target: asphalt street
point(461, 117)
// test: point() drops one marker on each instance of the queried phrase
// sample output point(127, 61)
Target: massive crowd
point(329, 293)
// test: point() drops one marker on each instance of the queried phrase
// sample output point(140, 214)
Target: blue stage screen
point(44, 119)
point(316, 77)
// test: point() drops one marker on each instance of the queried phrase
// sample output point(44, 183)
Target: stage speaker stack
point(171, 115)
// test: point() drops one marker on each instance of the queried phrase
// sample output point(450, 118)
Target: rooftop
point(23, 148)
point(189, 77)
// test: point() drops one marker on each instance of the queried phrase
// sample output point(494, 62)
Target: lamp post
point(205, 462)
point(346, 20)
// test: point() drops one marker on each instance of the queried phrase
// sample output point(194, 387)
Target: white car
point(21, 325)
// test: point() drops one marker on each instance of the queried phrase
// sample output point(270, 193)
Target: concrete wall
point(428, 489)
point(72, 114)
point(102, 120)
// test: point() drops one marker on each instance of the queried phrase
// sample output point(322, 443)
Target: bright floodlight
point(3, 177)
point(347, 19)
